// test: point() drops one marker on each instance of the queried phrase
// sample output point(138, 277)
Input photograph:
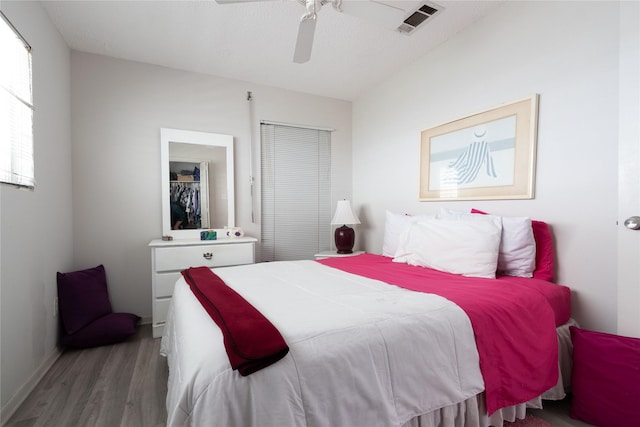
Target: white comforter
point(362, 353)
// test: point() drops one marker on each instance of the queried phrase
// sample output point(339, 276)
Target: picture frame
point(483, 156)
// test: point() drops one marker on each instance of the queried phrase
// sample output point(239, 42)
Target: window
point(296, 192)
point(16, 108)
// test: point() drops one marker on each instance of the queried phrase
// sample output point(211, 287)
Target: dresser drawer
point(164, 283)
point(179, 258)
point(160, 310)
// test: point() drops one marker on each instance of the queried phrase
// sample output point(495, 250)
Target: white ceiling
point(255, 41)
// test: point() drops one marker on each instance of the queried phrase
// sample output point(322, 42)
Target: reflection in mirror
point(197, 182)
point(197, 185)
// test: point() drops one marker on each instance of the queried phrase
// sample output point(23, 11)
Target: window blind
point(296, 192)
point(16, 108)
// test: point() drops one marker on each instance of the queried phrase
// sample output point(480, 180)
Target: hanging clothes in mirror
point(185, 205)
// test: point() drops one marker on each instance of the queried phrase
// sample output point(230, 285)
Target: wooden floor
point(557, 414)
point(118, 385)
point(126, 385)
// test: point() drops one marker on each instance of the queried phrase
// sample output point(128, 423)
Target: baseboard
point(145, 321)
point(20, 396)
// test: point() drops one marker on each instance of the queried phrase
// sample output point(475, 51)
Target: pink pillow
point(605, 379)
point(545, 253)
point(545, 262)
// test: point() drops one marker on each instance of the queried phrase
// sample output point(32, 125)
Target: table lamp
point(345, 237)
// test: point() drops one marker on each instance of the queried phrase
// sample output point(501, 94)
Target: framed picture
point(487, 155)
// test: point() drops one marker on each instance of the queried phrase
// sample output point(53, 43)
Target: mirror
point(197, 182)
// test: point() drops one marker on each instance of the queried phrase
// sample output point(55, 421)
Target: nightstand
point(334, 254)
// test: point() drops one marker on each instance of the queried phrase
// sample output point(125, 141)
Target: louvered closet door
point(296, 191)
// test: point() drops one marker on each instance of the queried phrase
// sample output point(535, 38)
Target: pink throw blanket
point(514, 325)
point(250, 339)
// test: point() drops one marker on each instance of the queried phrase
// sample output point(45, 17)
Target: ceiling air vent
point(418, 16)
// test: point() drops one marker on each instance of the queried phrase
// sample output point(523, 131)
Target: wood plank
point(148, 389)
point(126, 385)
point(107, 399)
point(122, 384)
point(69, 393)
point(36, 403)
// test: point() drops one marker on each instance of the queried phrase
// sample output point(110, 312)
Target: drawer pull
point(207, 255)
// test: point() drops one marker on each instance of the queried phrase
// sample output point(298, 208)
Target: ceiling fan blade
point(386, 15)
point(304, 42)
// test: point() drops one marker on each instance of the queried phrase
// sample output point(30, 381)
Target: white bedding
point(362, 353)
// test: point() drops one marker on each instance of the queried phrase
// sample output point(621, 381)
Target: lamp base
point(345, 237)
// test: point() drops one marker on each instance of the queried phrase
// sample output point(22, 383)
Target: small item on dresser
point(235, 232)
point(167, 238)
point(208, 235)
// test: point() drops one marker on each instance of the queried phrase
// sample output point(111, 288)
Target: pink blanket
point(514, 325)
point(250, 339)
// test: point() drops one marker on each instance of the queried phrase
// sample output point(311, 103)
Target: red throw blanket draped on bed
point(514, 325)
point(251, 341)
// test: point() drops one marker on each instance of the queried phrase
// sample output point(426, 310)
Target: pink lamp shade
point(344, 236)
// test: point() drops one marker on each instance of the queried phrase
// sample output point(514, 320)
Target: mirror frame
point(168, 135)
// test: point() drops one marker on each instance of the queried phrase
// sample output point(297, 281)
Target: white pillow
point(459, 246)
point(445, 213)
point(517, 247)
point(395, 225)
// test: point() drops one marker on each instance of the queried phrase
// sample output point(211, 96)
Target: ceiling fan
point(403, 16)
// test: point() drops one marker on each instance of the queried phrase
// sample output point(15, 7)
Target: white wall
point(36, 226)
point(565, 51)
point(118, 108)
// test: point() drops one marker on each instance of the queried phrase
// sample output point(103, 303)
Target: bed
point(373, 341)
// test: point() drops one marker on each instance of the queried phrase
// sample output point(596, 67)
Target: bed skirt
point(472, 412)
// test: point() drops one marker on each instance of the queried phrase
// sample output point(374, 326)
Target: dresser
point(169, 258)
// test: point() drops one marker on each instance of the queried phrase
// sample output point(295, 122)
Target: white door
point(629, 170)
